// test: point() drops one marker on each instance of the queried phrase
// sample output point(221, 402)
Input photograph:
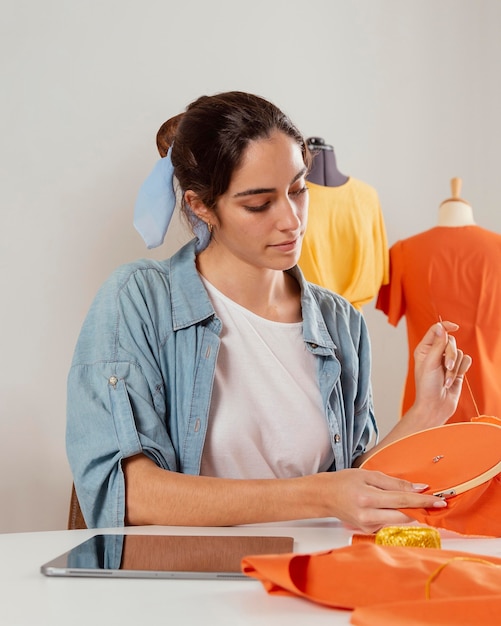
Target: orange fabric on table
point(369, 575)
point(469, 611)
point(453, 273)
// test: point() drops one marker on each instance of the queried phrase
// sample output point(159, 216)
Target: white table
point(27, 598)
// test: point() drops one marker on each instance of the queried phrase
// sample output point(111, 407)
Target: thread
point(413, 536)
point(434, 574)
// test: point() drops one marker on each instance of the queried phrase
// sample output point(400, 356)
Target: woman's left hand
point(439, 372)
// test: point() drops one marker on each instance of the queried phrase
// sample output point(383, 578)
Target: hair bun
point(166, 134)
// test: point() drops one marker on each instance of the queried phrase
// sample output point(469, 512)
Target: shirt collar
point(191, 305)
point(315, 331)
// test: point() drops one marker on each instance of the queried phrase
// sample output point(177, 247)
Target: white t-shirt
point(266, 418)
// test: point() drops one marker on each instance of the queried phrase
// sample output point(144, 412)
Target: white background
point(407, 91)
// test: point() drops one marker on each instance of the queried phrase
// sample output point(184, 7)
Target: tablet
point(164, 556)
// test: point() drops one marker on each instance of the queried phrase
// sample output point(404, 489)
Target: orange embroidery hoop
point(451, 459)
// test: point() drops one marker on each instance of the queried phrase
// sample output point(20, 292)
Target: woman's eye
point(257, 208)
point(298, 192)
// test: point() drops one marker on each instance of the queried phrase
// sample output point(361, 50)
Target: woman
point(218, 387)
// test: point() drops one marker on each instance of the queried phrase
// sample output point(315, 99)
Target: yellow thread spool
point(415, 536)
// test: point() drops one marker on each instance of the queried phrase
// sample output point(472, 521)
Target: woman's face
point(261, 218)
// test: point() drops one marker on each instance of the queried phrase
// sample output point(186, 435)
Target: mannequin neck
point(324, 169)
point(455, 213)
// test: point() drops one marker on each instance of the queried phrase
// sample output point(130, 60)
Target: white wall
point(408, 92)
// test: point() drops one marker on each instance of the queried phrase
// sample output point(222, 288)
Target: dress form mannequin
point(451, 271)
point(345, 247)
point(324, 169)
point(455, 211)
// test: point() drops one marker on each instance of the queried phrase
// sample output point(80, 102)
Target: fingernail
point(419, 486)
point(448, 383)
point(450, 364)
point(440, 504)
point(440, 329)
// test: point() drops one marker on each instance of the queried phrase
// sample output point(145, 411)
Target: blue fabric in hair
point(155, 203)
point(155, 206)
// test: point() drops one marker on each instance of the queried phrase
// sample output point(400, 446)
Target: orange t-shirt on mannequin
point(453, 272)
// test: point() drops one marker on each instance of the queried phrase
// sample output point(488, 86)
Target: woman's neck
point(455, 213)
point(272, 294)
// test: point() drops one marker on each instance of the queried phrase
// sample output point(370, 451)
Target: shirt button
point(113, 380)
point(337, 438)
point(314, 346)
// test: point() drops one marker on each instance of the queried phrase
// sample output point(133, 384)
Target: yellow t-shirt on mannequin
point(345, 248)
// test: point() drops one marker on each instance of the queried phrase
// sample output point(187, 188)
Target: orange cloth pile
point(389, 585)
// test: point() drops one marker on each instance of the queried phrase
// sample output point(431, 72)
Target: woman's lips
point(286, 246)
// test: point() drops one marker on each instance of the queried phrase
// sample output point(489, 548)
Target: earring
point(209, 228)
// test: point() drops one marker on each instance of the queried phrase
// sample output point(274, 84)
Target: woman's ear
point(197, 206)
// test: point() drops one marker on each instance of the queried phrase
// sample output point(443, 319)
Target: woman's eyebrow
point(254, 192)
point(258, 190)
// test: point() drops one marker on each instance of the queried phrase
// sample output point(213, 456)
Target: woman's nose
point(289, 216)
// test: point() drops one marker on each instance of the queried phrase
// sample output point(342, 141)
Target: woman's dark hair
point(212, 135)
point(166, 134)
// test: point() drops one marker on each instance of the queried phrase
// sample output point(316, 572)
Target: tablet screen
point(164, 556)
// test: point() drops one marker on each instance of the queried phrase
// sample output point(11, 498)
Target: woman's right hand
point(363, 499)
point(368, 500)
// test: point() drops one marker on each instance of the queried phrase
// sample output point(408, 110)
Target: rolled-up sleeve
point(115, 402)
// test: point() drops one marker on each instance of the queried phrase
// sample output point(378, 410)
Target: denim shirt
point(142, 374)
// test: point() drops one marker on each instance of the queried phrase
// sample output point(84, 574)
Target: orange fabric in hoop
point(387, 580)
point(445, 457)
